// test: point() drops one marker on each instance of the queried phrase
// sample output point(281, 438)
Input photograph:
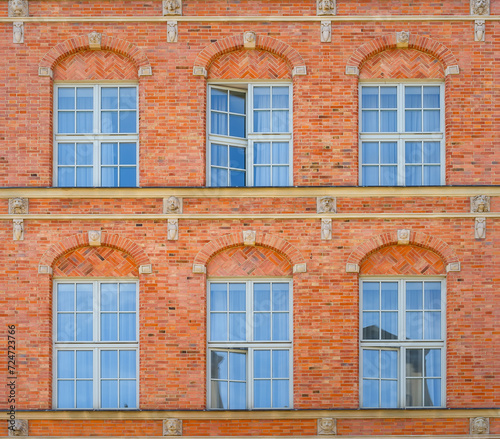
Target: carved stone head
point(479, 426)
point(326, 7)
point(19, 428)
point(172, 427)
point(326, 205)
point(480, 203)
point(18, 206)
point(18, 8)
point(327, 426)
point(480, 7)
point(172, 7)
point(172, 205)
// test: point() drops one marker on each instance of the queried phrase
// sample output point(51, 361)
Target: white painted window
point(402, 343)
point(250, 345)
point(96, 135)
point(402, 134)
point(250, 135)
point(96, 345)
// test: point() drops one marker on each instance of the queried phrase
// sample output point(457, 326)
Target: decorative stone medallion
point(18, 229)
point(480, 228)
point(199, 268)
point(172, 427)
point(173, 229)
point(145, 269)
point(453, 266)
point(44, 269)
point(403, 236)
point(300, 268)
point(18, 206)
point(480, 204)
point(145, 71)
point(18, 8)
point(479, 7)
point(172, 7)
point(402, 39)
point(326, 7)
point(95, 41)
point(326, 31)
point(351, 268)
point(326, 205)
point(18, 32)
point(327, 426)
point(479, 30)
point(172, 205)
point(326, 228)
point(249, 237)
point(172, 31)
point(199, 71)
point(249, 40)
point(479, 426)
point(94, 238)
point(20, 428)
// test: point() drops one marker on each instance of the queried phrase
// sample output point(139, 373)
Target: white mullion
point(250, 379)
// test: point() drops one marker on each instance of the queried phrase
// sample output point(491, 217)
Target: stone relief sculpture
point(172, 205)
point(402, 39)
point(326, 228)
point(95, 40)
point(172, 7)
point(403, 236)
point(18, 8)
point(172, 427)
point(19, 428)
point(18, 206)
point(479, 30)
point(249, 237)
point(95, 237)
point(249, 40)
point(480, 203)
point(480, 228)
point(172, 32)
point(326, 205)
point(326, 31)
point(326, 7)
point(480, 7)
point(479, 426)
point(18, 32)
point(173, 229)
point(327, 426)
point(18, 229)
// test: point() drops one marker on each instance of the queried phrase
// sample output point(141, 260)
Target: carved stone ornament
point(199, 71)
point(145, 269)
point(249, 40)
point(326, 205)
point(249, 237)
point(479, 426)
point(172, 7)
point(145, 71)
point(479, 228)
point(403, 236)
point(172, 31)
point(351, 268)
point(18, 230)
point(45, 71)
point(300, 268)
point(326, 31)
point(18, 8)
point(172, 205)
point(326, 228)
point(19, 427)
point(352, 70)
point(173, 229)
point(44, 269)
point(326, 7)
point(480, 204)
point(327, 426)
point(172, 427)
point(95, 238)
point(479, 7)
point(95, 41)
point(199, 268)
point(402, 39)
point(18, 32)
point(452, 70)
point(18, 206)
point(299, 71)
point(479, 30)
point(453, 266)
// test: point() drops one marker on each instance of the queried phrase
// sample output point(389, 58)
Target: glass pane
point(280, 153)
point(237, 178)
point(370, 393)
point(413, 175)
point(389, 394)
point(218, 326)
point(219, 365)
point(127, 364)
point(262, 122)
point(280, 175)
point(109, 297)
point(66, 364)
point(218, 297)
point(389, 295)
point(414, 325)
point(109, 153)
point(261, 97)
point(413, 98)
point(128, 122)
point(280, 297)
point(369, 97)
point(262, 297)
point(280, 326)
point(432, 295)
point(432, 325)
point(109, 177)
point(237, 326)
point(128, 98)
point(66, 98)
point(432, 392)
point(109, 121)
point(369, 121)
point(262, 364)
point(388, 97)
point(237, 297)
point(218, 123)
point(414, 392)
point(370, 152)
point(65, 394)
point(262, 153)
point(262, 393)
point(431, 121)
point(413, 121)
point(388, 152)
point(65, 297)
point(280, 364)
point(109, 364)
point(280, 122)
point(237, 366)
point(413, 152)
point(389, 328)
point(432, 175)
point(218, 177)
point(128, 177)
point(127, 297)
point(262, 176)
point(414, 295)
point(388, 175)
point(371, 326)
point(66, 177)
point(218, 99)
point(414, 363)
point(84, 122)
point(66, 153)
point(109, 394)
point(128, 154)
point(371, 363)
point(83, 297)
point(109, 330)
point(128, 394)
point(371, 296)
point(262, 326)
point(66, 327)
point(109, 98)
point(84, 327)
point(281, 390)
point(432, 362)
point(237, 157)
point(84, 153)
point(237, 396)
point(218, 155)
point(237, 102)
point(84, 98)
point(84, 396)
point(219, 395)
point(127, 327)
point(370, 175)
point(66, 122)
point(280, 97)
point(431, 97)
point(388, 121)
point(389, 364)
point(432, 152)
point(84, 177)
point(84, 364)
point(237, 126)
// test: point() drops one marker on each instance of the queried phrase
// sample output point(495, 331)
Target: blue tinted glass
point(65, 394)
point(109, 297)
point(127, 297)
point(280, 97)
point(84, 98)
point(413, 121)
point(237, 396)
point(84, 394)
point(431, 97)
point(66, 297)
point(66, 122)
point(388, 122)
point(218, 99)
point(84, 364)
point(369, 121)
point(388, 97)
point(128, 177)
point(413, 175)
point(371, 296)
point(237, 157)
point(237, 297)
point(413, 98)
point(432, 295)
point(219, 155)
point(219, 177)
point(237, 102)
point(66, 177)
point(218, 326)
point(262, 364)
point(109, 364)
point(432, 152)
point(237, 326)
point(262, 153)
point(262, 97)
point(371, 326)
point(389, 394)
point(237, 366)
point(127, 364)
point(66, 153)
point(65, 327)
point(66, 98)
point(369, 97)
point(109, 394)
point(432, 325)
point(262, 297)
point(432, 363)
point(262, 122)
point(219, 365)
point(389, 326)
point(432, 393)
point(128, 98)
point(413, 152)
point(237, 126)
point(109, 327)
point(84, 153)
point(280, 175)
point(128, 394)
point(431, 120)
point(262, 176)
point(370, 175)
point(414, 363)
point(388, 364)
point(109, 153)
point(389, 295)
point(280, 364)
point(109, 98)
point(218, 297)
point(281, 389)
point(370, 393)
point(84, 177)
point(109, 177)
point(280, 122)
point(109, 121)
point(66, 364)
point(370, 152)
point(219, 394)
point(128, 122)
point(127, 327)
point(237, 178)
point(84, 327)
point(280, 326)
point(414, 295)
point(280, 296)
point(280, 153)
point(371, 363)
point(262, 393)
point(388, 152)
point(218, 123)
point(84, 122)
point(414, 325)
point(432, 175)
point(388, 175)
point(262, 326)
point(84, 297)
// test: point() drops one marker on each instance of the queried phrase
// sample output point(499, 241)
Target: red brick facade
point(251, 234)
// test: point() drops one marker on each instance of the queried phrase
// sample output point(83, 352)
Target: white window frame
point(400, 136)
point(251, 137)
point(95, 346)
point(96, 138)
point(401, 344)
point(250, 346)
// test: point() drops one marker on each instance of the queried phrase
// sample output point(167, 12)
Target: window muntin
point(401, 135)
point(249, 344)
point(402, 343)
point(96, 135)
point(96, 345)
point(249, 135)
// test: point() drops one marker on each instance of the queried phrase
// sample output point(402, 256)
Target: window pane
point(370, 152)
point(237, 102)
point(370, 175)
point(432, 175)
point(413, 121)
point(389, 328)
point(109, 153)
point(84, 153)
point(109, 364)
point(388, 121)
point(128, 394)
point(109, 394)
point(388, 364)
point(218, 326)
point(413, 175)
point(280, 296)
point(369, 121)
point(369, 97)
point(127, 364)
point(262, 364)
point(84, 177)
point(432, 362)
point(218, 297)
point(66, 153)
point(388, 394)
point(431, 97)
point(432, 295)
point(280, 153)
point(128, 154)
point(127, 327)
point(432, 152)
point(389, 295)
point(280, 175)
point(280, 122)
point(388, 97)
point(109, 98)
point(432, 325)
point(218, 99)
point(237, 178)
point(128, 97)
point(84, 397)
point(237, 157)
point(262, 326)
point(237, 297)
point(237, 326)
point(280, 364)
point(65, 327)
point(262, 176)
point(218, 155)
point(65, 394)
point(65, 297)
point(280, 97)
point(414, 325)
point(66, 122)
point(84, 98)
point(262, 122)
point(109, 297)
point(262, 297)
point(66, 98)
point(127, 297)
point(432, 392)
point(414, 295)
point(370, 393)
point(371, 363)
point(84, 122)
point(280, 393)
point(219, 395)
point(388, 152)
point(413, 98)
point(109, 177)
point(237, 126)
point(66, 177)
point(413, 152)
point(219, 177)
point(261, 97)
point(109, 121)
point(128, 122)
point(84, 364)
point(371, 326)
point(371, 296)
point(84, 327)
point(431, 120)
point(237, 366)
point(128, 177)
point(65, 364)
point(280, 326)
point(237, 396)
point(219, 365)
point(262, 393)
point(388, 175)
point(218, 123)
point(109, 330)
point(262, 153)
point(414, 392)
point(414, 363)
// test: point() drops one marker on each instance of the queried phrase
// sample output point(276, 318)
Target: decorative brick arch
point(266, 240)
point(417, 239)
point(77, 44)
point(265, 43)
point(74, 242)
point(417, 42)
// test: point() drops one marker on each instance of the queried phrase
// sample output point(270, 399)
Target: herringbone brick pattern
point(95, 65)
point(401, 64)
point(249, 64)
point(249, 261)
point(96, 262)
point(403, 260)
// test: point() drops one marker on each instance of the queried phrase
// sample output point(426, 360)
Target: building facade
point(250, 218)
